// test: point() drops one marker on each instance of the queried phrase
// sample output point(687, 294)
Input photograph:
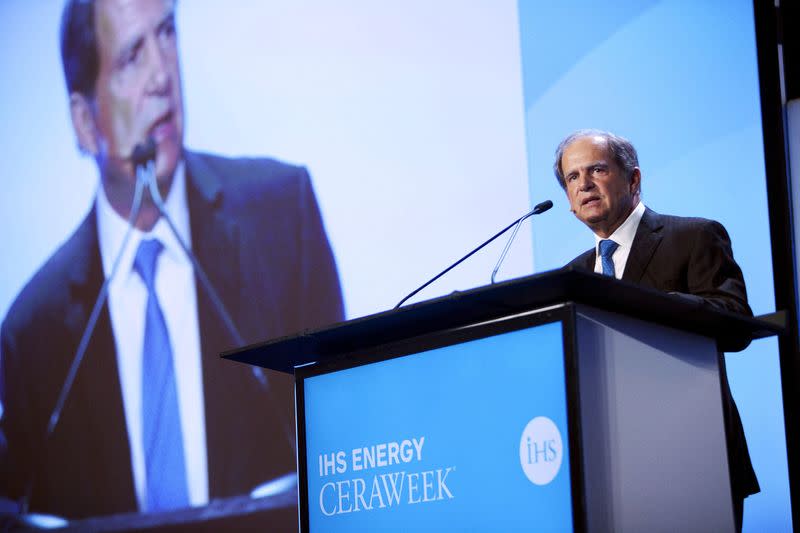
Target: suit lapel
point(94, 409)
point(648, 237)
point(588, 259)
point(243, 443)
point(215, 241)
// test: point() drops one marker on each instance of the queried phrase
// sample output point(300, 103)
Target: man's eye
point(169, 29)
point(131, 57)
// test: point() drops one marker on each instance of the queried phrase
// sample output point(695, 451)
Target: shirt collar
point(624, 234)
point(111, 227)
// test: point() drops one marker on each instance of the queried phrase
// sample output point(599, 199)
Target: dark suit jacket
point(693, 257)
point(257, 231)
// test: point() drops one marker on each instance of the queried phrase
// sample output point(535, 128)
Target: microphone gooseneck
point(539, 208)
point(98, 305)
point(77, 359)
point(147, 173)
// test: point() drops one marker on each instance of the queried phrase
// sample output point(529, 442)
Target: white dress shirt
point(623, 236)
point(127, 300)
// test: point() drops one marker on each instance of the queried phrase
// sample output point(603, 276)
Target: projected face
point(599, 193)
point(138, 88)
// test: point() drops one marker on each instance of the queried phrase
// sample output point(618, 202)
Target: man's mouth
point(162, 127)
point(593, 200)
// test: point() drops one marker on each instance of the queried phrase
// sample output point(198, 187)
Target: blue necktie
point(161, 423)
point(607, 248)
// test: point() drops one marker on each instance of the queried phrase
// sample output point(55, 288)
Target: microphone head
point(542, 207)
point(144, 152)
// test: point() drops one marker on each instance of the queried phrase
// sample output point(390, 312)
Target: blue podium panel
point(472, 436)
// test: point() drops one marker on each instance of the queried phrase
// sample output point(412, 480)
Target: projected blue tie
point(161, 424)
point(607, 248)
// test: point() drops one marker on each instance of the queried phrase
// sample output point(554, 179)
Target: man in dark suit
point(690, 257)
point(256, 230)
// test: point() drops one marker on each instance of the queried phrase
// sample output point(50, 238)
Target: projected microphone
point(143, 157)
point(539, 208)
point(144, 153)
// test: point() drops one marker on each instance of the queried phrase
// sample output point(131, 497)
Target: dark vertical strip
point(580, 509)
point(302, 452)
point(790, 39)
point(780, 222)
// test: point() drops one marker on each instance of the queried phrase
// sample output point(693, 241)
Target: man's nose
point(585, 182)
point(158, 78)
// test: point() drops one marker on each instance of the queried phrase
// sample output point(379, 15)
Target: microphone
point(144, 153)
point(539, 208)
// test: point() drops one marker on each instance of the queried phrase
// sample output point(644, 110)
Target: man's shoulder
point(681, 226)
point(46, 295)
point(678, 222)
point(253, 191)
point(245, 174)
point(249, 186)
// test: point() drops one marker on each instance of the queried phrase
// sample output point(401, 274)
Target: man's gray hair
point(621, 149)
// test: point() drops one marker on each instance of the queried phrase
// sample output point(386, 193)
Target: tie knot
point(145, 261)
point(607, 248)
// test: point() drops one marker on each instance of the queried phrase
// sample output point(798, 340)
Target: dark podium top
point(733, 332)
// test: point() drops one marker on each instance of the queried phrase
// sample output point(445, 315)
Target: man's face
point(138, 88)
point(599, 193)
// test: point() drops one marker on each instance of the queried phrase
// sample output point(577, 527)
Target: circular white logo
point(540, 450)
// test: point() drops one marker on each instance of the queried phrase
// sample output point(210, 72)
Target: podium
point(561, 401)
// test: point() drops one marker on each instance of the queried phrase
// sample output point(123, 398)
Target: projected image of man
point(155, 420)
point(692, 257)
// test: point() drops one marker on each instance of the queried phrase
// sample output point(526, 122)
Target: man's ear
point(83, 123)
point(636, 181)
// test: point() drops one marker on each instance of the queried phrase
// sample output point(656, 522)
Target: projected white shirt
point(623, 236)
point(175, 288)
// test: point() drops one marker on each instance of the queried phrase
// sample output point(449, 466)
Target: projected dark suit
point(257, 231)
point(693, 256)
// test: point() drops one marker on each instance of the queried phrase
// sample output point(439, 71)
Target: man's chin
point(591, 219)
point(167, 159)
